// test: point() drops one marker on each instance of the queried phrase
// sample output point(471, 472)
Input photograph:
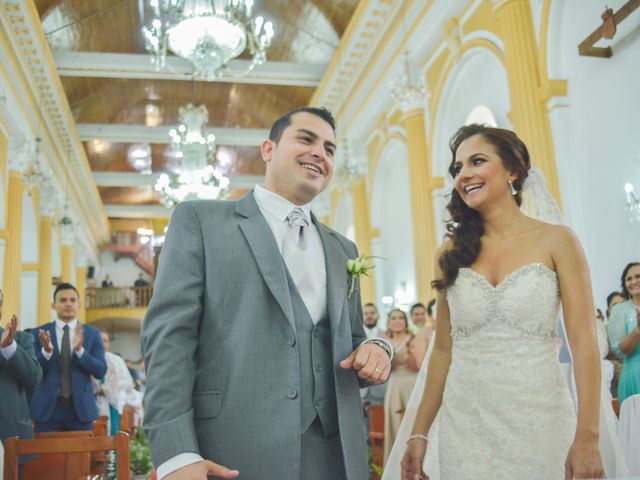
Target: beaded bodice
point(524, 305)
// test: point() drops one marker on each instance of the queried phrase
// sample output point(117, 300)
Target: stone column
point(528, 110)
point(21, 153)
point(422, 184)
point(48, 204)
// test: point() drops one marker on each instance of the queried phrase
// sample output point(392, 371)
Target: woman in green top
point(624, 332)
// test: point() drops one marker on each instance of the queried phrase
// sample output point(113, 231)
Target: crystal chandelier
point(208, 33)
point(353, 165)
point(409, 91)
point(633, 203)
point(197, 178)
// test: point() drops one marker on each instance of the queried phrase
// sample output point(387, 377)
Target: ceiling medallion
point(196, 178)
point(208, 33)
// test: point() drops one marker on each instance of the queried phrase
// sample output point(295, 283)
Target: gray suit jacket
point(18, 375)
point(219, 344)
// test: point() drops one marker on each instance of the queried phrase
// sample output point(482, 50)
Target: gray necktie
point(65, 358)
point(296, 256)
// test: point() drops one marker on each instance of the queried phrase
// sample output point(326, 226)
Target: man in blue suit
point(70, 354)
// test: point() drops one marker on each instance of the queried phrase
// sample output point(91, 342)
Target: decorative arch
point(391, 216)
point(479, 78)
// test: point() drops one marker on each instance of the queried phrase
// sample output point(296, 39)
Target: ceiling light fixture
point(208, 33)
point(197, 178)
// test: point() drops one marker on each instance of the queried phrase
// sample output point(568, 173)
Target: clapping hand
point(79, 340)
point(9, 333)
point(45, 340)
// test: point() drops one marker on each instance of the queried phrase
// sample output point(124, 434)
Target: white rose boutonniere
point(356, 267)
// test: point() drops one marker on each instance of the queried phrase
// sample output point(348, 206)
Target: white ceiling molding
point(122, 65)
point(142, 134)
point(133, 179)
point(21, 22)
point(138, 211)
point(346, 88)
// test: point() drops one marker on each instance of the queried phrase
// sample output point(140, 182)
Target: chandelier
point(353, 164)
point(633, 203)
point(208, 33)
point(196, 177)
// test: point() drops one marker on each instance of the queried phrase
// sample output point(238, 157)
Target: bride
point(503, 406)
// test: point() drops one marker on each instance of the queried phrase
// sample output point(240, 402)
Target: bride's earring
point(513, 189)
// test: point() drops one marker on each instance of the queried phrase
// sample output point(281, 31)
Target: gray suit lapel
point(336, 265)
point(265, 250)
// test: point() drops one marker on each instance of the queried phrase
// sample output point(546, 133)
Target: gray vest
point(317, 386)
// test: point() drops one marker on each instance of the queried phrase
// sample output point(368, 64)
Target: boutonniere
point(356, 267)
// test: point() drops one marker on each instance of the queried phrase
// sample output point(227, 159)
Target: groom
point(254, 347)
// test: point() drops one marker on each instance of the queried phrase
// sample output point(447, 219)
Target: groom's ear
point(266, 149)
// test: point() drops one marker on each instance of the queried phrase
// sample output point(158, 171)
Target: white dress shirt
point(59, 333)
point(275, 210)
point(8, 351)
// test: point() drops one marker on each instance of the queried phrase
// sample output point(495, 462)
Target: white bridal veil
point(537, 203)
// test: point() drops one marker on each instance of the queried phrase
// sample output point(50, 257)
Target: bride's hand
point(413, 459)
point(583, 461)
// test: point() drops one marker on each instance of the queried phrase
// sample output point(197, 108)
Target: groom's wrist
point(382, 343)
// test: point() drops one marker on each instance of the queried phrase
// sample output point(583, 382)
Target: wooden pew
point(127, 421)
point(376, 433)
point(57, 466)
point(83, 445)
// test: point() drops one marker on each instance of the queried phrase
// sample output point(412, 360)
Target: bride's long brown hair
point(465, 226)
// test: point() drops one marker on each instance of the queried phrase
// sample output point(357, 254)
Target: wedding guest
point(404, 368)
point(70, 354)
point(113, 389)
point(107, 283)
point(613, 299)
point(374, 394)
point(19, 372)
point(624, 332)
point(370, 319)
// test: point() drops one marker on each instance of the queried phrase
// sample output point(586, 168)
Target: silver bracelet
point(418, 435)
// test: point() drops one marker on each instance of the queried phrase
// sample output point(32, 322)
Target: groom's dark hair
point(284, 121)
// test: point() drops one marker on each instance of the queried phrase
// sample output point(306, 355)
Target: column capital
point(351, 162)
point(50, 200)
point(410, 91)
point(81, 255)
point(453, 38)
point(22, 153)
point(67, 231)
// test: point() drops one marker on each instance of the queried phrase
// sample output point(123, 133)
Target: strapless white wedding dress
point(506, 411)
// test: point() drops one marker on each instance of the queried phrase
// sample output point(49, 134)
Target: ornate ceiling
point(118, 99)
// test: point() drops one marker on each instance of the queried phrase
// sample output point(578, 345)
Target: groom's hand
point(200, 470)
point(371, 361)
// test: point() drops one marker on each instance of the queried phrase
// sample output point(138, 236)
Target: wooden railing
point(119, 297)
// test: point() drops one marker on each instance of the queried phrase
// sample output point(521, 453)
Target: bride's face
point(632, 281)
point(479, 172)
